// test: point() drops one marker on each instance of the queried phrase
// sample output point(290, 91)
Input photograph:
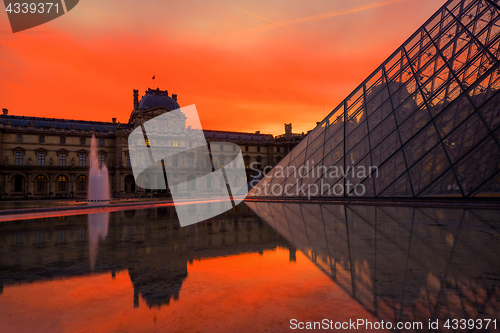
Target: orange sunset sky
point(247, 65)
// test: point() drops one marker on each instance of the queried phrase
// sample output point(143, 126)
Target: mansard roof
point(40, 122)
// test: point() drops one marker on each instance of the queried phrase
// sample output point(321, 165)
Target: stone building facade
point(48, 158)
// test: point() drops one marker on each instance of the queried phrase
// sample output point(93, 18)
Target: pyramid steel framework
point(424, 123)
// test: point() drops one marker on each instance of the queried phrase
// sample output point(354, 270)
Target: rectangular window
point(19, 158)
point(101, 160)
point(83, 161)
point(82, 141)
point(41, 158)
point(129, 163)
point(63, 140)
point(175, 161)
point(221, 147)
point(41, 139)
point(246, 148)
point(19, 138)
point(62, 159)
point(175, 143)
point(258, 149)
point(101, 142)
point(234, 148)
point(278, 149)
point(190, 161)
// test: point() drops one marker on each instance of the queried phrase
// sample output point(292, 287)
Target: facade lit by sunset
point(250, 166)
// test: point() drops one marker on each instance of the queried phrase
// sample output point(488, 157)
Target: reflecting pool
point(264, 266)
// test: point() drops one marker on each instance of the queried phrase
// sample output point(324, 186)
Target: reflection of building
point(427, 119)
point(401, 263)
point(49, 157)
point(148, 243)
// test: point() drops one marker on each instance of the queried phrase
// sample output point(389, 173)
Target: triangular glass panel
point(479, 164)
point(465, 137)
point(429, 168)
point(446, 185)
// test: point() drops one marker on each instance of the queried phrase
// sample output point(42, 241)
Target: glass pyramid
point(425, 123)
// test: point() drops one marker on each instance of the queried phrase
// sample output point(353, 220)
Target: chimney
point(114, 120)
point(257, 132)
point(174, 96)
point(136, 99)
point(5, 112)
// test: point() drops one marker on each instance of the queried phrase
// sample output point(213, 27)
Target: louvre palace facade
point(49, 158)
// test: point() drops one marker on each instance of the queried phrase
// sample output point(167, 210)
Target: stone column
point(6, 185)
point(30, 183)
point(120, 158)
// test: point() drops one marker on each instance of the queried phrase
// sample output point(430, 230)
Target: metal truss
point(427, 118)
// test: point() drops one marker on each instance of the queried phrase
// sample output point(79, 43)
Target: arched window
point(41, 183)
point(18, 183)
point(129, 185)
point(82, 183)
point(236, 181)
point(192, 185)
point(62, 182)
point(247, 161)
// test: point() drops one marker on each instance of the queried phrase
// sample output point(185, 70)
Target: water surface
point(251, 269)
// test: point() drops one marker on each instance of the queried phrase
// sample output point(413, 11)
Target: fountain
point(98, 191)
point(98, 230)
point(98, 176)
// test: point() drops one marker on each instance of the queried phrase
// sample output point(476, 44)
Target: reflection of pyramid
point(400, 263)
point(425, 123)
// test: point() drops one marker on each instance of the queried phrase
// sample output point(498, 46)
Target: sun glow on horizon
point(248, 68)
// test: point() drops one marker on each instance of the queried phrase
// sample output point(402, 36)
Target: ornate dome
point(156, 98)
